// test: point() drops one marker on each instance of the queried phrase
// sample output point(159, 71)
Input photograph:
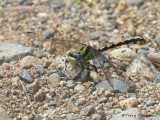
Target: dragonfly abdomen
point(135, 40)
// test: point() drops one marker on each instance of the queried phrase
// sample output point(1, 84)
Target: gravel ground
point(37, 84)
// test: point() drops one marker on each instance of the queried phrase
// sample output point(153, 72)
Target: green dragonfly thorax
point(83, 54)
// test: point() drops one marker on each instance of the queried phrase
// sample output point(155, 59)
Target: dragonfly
point(85, 52)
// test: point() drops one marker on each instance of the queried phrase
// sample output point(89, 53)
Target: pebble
point(30, 61)
point(52, 92)
point(82, 101)
point(131, 30)
point(154, 57)
point(95, 35)
point(79, 88)
point(1, 74)
point(148, 69)
point(103, 85)
point(129, 114)
point(130, 102)
point(158, 39)
point(25, 75)
point(39, 96)
point(142, 51)
point(53, 103)
point(32, 88)
point(95, 77)
point(53, 80)
point(137, 3)
point(120, 85)
point(85, 75)
point(70, 84)
point(150, 103)
point(3, 114)
point(89, 110)
point(11, 51)
point(40, 70)
point(123, 53)
point(103, 100)
point(48, 34)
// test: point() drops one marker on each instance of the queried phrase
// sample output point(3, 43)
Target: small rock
point(39, 96)
point(86, 84)
point(25, 75)
point(30, 61)
point(137, 3)
point(150, 103)
point(70, 116)
point(142, 51)
point(122, 6)
point(103, 85)
point(79, 88)
point(95, 35)
point(32, 88)
point(155, 57)
point(3, 114)
point(158, 39)
point(102, 100)
point(95, 77)
point(10, 52)
point(40, 70)
point(53, 80)
point(82, 101)
point(25, 118)
point(1, 74)
point(129, 114)
point(120, 85)
point(85, 75)
point(130, 102)
point(70, 84)
point(142, 66)
point(123, 53)
point(48, 34)
point(131, 30)
point(72, 71)
point(52, 103)
point(58, 6)
point(158, 109)
point(52, 92)
point(108, 106)
point(89, 110)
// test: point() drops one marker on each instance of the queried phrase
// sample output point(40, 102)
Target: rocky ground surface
point(35, 81)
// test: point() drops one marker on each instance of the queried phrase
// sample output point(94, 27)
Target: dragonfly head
point(75, 57)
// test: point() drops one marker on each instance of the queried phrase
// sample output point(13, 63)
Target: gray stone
point(40, 70)
point(79, 88)
point(102, 100)
point(110, 26)
point(123, 53)
point(104, 85)
point(70, 84)
point(158, 39)
point(126, 36)
point(11, 51)
point(154, 117)
point(48, 34)
point(72, 70)
point(32, 88)
point(95, 35)
point(150, 103)
point(25, 75)
point(85, 75)
point(39, 96)
point(1, 74)
point(89, 110)
point(142, 51)
point(120, 85)
point(52, 92)
point(58, 6)
point(129, 114)
point(108, 106)
point(53, 80)
point(53, 103)
point(3, 114)
point(137, 3)
point(70, 116)
point(142, 66)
